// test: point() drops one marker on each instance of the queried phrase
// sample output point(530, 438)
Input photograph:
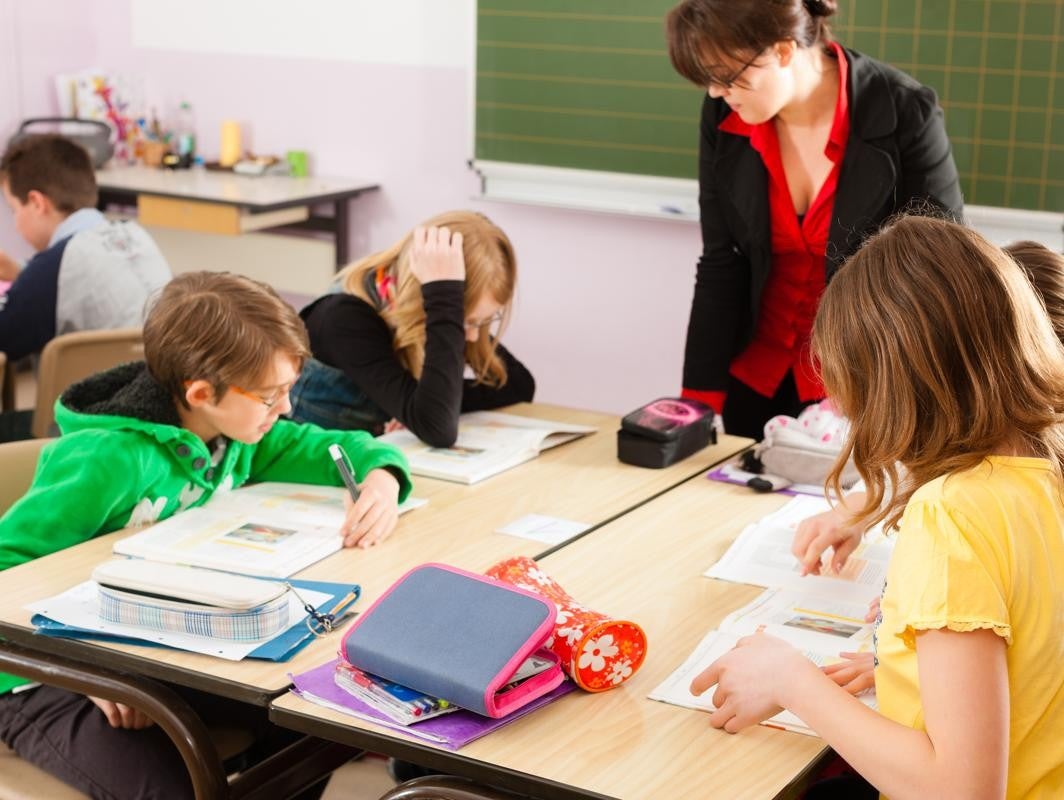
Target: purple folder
point(451, 731)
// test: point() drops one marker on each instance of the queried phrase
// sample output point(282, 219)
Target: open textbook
point(268, 529)
point(762, 556)
point(819, 627)
point(488, 443)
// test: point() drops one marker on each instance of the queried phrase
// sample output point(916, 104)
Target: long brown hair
point(491, 270)
point(698, 31)
point(1045, 269)
point(932, 341)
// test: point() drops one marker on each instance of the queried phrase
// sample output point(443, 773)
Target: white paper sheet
point(79, 606)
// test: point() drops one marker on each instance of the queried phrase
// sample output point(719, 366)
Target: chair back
point(18, 462)
point(71, 357)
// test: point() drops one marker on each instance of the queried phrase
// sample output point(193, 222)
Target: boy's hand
point(436, 255)
point(374, 516)
point(828, 530)
point(8, 267)
point(749, 680)
point(855, 674)
point(120, 715)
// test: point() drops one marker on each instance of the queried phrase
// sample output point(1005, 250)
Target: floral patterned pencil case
point(458, 636)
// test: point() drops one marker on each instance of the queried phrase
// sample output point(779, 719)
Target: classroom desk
point(581, 480)
point(645, 566)
point(224, 202)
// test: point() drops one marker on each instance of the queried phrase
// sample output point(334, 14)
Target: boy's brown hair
point(54, 166)
point(219, 327)
point(935, 345)
point(1045, 269)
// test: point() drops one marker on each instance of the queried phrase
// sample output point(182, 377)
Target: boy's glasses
point(323, 624)
point(470, 325)
point(728, 83)
point(269, 402)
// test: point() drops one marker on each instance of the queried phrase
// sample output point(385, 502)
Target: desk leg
point(342, 233)
point(170, 712)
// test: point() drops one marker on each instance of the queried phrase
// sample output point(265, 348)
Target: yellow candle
point(229, 152)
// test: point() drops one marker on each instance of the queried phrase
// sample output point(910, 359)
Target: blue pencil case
point(458, 636)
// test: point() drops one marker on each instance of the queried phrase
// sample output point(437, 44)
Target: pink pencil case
point(458, 636)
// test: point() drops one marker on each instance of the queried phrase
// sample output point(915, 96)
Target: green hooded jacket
point(124, 460)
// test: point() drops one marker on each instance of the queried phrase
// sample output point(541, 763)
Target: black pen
point(340, 459)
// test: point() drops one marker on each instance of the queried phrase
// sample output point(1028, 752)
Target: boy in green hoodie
point(146, 440)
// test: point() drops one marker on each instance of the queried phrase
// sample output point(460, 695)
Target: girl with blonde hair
point(394, 339)
point(934, 344)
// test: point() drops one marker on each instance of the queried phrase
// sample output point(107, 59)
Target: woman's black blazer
point(897, 156)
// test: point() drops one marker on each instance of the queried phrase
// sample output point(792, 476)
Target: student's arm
point(964, 691)
point(520, 386)
point(300, 454)
point(348, 334)
point(27, 311)
point(74, 497)
point(928, 173)
point(722, 285)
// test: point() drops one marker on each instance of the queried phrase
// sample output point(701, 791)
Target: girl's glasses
point(323, 624)
point(470, 325)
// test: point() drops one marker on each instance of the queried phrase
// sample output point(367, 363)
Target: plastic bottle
point(185, 132)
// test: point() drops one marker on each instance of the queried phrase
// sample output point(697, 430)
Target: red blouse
point(792, 293)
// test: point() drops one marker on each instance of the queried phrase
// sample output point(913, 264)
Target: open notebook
point(821, 628)
point(488, 443)
point(268, 529)
point(821, 615)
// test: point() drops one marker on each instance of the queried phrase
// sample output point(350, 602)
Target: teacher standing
point(806, 149)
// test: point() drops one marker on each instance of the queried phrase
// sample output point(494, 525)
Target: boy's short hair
point(219, 327)
point(53, 165)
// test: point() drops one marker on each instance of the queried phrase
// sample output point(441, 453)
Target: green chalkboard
point(587, 84)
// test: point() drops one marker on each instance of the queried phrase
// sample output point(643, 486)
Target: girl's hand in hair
point(436, 255)
point(829, 530)
point(8, 267)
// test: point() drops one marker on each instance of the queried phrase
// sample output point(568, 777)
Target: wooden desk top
point(581, 480)
point(645, 566)
point(256, 192)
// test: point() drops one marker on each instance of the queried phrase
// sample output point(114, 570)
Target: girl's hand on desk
point(373, 517)
point(821, 532)
point(122, 716)
point(436, 255)
point(855, 674)
point(750, 681)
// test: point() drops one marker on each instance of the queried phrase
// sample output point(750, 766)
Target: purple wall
point(602, 299)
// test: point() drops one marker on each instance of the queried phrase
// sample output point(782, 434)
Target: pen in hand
point(340, 459)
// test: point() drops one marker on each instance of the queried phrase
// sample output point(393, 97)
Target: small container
point(665, 431)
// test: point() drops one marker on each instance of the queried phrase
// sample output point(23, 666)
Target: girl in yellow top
point(934, 344)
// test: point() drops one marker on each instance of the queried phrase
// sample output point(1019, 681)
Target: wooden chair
point(18, 462)
point(71, 357)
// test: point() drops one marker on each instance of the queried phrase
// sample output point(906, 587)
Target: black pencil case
point(665, 431)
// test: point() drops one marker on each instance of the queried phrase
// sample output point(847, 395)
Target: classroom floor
point(366, 779)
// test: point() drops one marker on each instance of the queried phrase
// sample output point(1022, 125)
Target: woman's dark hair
point(701, 33)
